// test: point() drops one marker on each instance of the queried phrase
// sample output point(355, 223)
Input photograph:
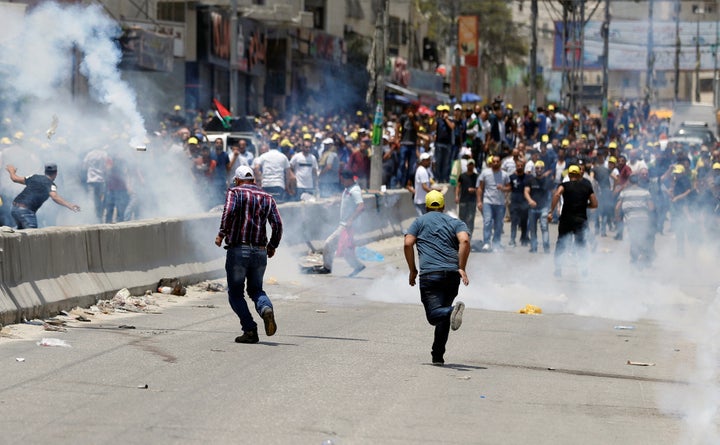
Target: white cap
point(424, 156)
point(465, 151)
point(244, 172)
point(328, 141)
point(457, 107)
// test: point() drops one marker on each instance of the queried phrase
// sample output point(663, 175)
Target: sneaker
point(268, 317)
point(485, 248)
point(512, 244)
point(456, 315)
point(357, 270)
point(438, 361)
point(318, 270)
point(533, 250)
point(248, 337)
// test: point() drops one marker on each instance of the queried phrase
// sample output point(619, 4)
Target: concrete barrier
point(44, 271)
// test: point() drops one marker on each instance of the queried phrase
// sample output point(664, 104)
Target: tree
point(502, 43)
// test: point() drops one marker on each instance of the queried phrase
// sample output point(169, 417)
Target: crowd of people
point(506, 164)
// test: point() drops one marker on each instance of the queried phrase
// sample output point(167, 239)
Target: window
point(394, 34)
point(171, 11)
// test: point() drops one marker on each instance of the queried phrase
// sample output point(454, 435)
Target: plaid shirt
point(247, 211)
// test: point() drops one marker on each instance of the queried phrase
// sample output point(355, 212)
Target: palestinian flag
point(222, 113)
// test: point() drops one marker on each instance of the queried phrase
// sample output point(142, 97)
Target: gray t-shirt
point(492, 179)
point(437, 242)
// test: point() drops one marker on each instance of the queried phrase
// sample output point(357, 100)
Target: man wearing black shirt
point(537, 195)
point(38, 188)
point(577, 196)
point(465, 196)
point(518, 205)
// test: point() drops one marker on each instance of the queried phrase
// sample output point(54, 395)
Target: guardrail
point(44, 271)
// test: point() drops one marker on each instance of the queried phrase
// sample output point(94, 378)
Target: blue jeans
point(437, 292)
point(116, 200)
point(443, 161)
point(538, 214)
point(241, 263)
point(493, 215)
point(407, 164)
point(24, 218)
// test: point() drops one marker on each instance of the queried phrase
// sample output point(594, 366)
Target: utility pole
point(233, 58)
point(699, 11)
point(677, 49)
point(649, 77)
point(533, 54)
point(716, 87)
point(606, 55)
point(456, 44)
point(581, 66)
point(382, 22)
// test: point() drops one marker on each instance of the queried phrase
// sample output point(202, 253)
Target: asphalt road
point(350, 362)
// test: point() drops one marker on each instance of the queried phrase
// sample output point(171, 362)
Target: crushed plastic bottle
point(53, 342)
point(165, 290)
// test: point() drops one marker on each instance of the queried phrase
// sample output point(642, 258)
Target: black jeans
point(437, 292)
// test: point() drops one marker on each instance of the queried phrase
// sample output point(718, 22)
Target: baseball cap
point(424, 156)
point(629, 146)
point(551, 107)
point(565, 142)
point(545, 138)
point(612, 144)
point(472, 161)
point(612, 159)
point(50, 168)
point(192, 140)
point(574, 170)
point(457, 107)
point(244, 172)
point(434, 200)
point(539, 164)
point(678, 169)
point(307, 137)
point(716, 166)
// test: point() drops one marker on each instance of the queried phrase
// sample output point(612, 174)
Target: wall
point(44, 271)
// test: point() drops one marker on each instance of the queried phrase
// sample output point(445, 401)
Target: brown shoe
point(268, 317)
point(248, 337)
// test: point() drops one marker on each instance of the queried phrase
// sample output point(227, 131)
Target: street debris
point(124, 302)
point(530, 309)
point(53, 342)
point(6, 332)
point(54, 327)
point(209, 306)
point(464, 377)
point(19, 359)
point(126, 326)
point(321, 311)
point(145, 386)
point(215, 287)
point(629, 362)
point(625, 328)
point(174, 285)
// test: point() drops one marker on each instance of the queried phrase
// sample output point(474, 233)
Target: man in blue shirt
point(443, 245)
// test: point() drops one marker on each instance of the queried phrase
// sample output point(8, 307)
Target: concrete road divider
point(44, 271)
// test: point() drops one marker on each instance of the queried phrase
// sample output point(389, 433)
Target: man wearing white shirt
point(423, 184)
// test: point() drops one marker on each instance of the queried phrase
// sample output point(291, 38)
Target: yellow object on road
point(530, 309)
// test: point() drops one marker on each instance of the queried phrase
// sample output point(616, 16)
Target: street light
point(699, 11)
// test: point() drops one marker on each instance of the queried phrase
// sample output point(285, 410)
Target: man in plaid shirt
point(247, 211)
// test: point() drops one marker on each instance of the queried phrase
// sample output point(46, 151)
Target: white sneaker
point(485, 248)
point(456, 315)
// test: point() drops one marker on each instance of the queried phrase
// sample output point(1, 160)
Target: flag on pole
point(222, 113)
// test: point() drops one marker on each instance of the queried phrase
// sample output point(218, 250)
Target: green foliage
point(502, 43)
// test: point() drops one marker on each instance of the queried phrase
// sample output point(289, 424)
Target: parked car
point(695, 130)
point(240, 129)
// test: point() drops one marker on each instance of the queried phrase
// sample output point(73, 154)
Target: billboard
point(628, 41)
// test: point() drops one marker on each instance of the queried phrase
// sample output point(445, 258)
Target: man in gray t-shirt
point(443, 245)
point(491, 187)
